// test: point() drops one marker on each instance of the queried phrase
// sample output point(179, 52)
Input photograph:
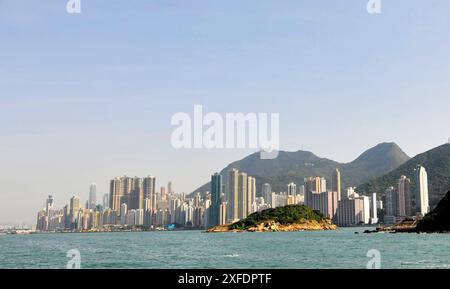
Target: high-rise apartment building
point(216, 195)
point(404, 197)
point(242, 195)
point(115, 194)
point(223, 213)
point(105, 201)
point(126, 186)
point(314, 185)
point(170, 188)
point(336, 183)
point(136, 200)
point(149, 191)
point(48, 205)
point(366, 209)
point(422, 206)
point(373, 209)
point(390, 204)
point(233, 195)
point(325, 202)
point(292, 189)
point(123, 214)
point(74, 208)
point(350, 212)
point(323, 185)
point(267, 193)
point(92, 203)
point(251, 195)
point(66, 214)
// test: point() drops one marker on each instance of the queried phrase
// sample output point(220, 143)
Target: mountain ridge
point(295, 166)
point(437, 163)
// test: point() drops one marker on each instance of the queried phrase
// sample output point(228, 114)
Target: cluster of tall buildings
point(135, 202)
point(132, 202)
point(399, 198)
point(237, 199)
point(73, 215)
point(241, 195)
point(234, 200)
point(345, 208)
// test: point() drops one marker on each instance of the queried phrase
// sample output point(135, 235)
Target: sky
point(87, 97)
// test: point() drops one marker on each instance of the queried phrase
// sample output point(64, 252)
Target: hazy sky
point(84, 98)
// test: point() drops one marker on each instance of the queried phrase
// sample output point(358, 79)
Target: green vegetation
point(284, 215)
point(295, 166)
point(437, 220)
point(435, 161)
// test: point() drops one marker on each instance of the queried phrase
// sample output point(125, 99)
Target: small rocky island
point(281, 219)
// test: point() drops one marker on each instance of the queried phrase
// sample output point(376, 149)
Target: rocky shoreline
point(273, 226)
point(437, 221)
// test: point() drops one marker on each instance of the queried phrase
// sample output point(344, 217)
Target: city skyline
point(314, 182)
point(149, 184)
point(79, 104)
point(135, 204)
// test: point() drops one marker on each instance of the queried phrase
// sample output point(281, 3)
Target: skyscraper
point(373, 209)
point(197, 200)
point(74, 208)
point(123, 213)
point(169, 188)
point(404, 197)
point(148, 212)
point(115, 195)
point(422, 206)
point(105, 201)
point(366, 209)
point(149, 187)
point(66, 214)
point(390, 201)
point(163, 194)
point(139, 217)
point(251, 195)
point(242, 196)
point(216, 192)
point(233, 197)
point(136, 200)
point(315, 185)
point(323, 185)
point(48, 205)
point(326, 203)
point(336, 183)
point(126, 185)
point(292, 189)
point(92, 196)
point(223, 213)
point(267, 193)
point(350, 211)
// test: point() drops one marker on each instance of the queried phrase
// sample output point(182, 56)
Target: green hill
point(295, 166)
point(284, 215)
point(435, 161)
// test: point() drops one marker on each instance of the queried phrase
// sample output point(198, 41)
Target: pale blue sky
point(84, 98)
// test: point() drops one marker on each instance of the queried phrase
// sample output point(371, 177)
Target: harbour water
point(194, 249)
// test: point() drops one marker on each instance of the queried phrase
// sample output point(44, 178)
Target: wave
point(231, 255)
